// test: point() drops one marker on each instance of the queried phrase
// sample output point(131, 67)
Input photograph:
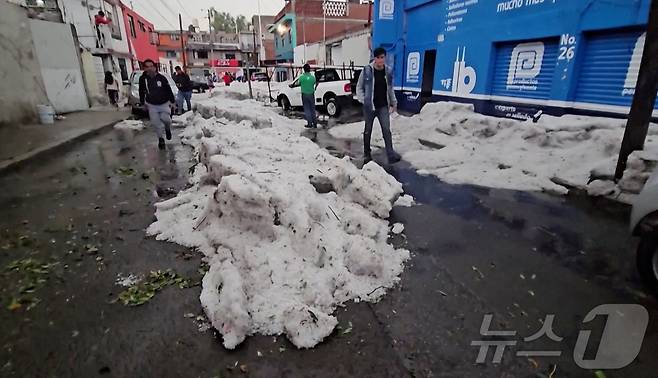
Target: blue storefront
point(515, 58)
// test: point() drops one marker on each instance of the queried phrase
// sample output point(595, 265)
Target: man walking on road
point(307, 85)
point(156, 94)
point(375, 91)
point(184, 85)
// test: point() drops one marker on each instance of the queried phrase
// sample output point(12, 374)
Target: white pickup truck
point(331, 94)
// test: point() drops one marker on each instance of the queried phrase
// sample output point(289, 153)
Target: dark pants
point(308, 100)
point(384, 118)
point(184, 96)
point(114, 96)
point(100, 42)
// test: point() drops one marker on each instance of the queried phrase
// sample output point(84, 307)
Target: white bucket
point(46, 114)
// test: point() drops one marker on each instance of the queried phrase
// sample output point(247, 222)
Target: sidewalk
point(21, 143)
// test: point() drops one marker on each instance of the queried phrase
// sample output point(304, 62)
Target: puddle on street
point(585, 234)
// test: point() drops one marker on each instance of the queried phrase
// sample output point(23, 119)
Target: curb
point(21, 160)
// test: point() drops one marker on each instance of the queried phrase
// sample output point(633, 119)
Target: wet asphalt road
point(516, 255)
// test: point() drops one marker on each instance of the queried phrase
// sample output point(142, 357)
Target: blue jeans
point(308, 100)
point(187, 96)
point(160, 116)
point(384, 118)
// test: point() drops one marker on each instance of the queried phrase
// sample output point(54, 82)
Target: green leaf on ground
point(348, 329)
point(31, 274)
point(125, 171)
point(145, 290)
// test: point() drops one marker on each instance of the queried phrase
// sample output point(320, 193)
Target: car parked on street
point(133, 97)
point(644, 223)
point(199, 86)
point(332, 93)
point(199, 78)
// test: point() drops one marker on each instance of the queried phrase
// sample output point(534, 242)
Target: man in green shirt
point(307, 84)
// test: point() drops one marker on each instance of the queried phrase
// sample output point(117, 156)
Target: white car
point(331, 93)
point(644, 223)
point(133, 98)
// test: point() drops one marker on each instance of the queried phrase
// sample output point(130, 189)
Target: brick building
point(170, 52)
point(303, 22)
point(142, 38)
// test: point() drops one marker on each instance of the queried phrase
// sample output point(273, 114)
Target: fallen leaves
point(31, 274)
point(125, 171)
point(144, 291)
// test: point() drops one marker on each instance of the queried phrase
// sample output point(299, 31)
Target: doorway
point(428, 76)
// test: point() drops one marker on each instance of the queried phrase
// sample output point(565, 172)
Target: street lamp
point(211, 13)
point(256, 57)
point(281, 29)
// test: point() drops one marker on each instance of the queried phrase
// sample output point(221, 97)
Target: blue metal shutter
point(530, 74)
point(607, 66)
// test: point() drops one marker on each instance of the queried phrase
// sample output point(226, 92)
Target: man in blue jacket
point(156, 94)
point(375, 91)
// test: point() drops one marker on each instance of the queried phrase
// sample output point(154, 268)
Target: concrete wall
point(82, 16)
point(355, 49)
point(21, 87)
point(92, 69)
point(60, 65)
point(312, 52)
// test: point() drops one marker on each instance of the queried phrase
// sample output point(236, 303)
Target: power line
point(164, 3)
point(160, 14)
point(184, 10)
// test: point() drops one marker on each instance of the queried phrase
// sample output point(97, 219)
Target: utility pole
point(251, 93)
point(644, 99)
point(212, 45)
point(261, 49)
point(256, 58)
point(324, 30)
point(182, 42)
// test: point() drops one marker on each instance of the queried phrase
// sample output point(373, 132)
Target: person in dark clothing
point(184, 85)
point(375, 91)
point(156, 94)
point(112, 88)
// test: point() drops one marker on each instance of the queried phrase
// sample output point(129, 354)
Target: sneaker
point(161, 143)
point(310, 126)
point(168, 133)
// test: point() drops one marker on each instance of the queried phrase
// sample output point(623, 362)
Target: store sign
point(225, 63)
point(386, 9)
point(525, 65)
point(463, 76)
point(413, 67)
point(633, 70)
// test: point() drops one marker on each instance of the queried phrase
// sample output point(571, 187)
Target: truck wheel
point(284, 103)
point(647, 261)
point(333, 109)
